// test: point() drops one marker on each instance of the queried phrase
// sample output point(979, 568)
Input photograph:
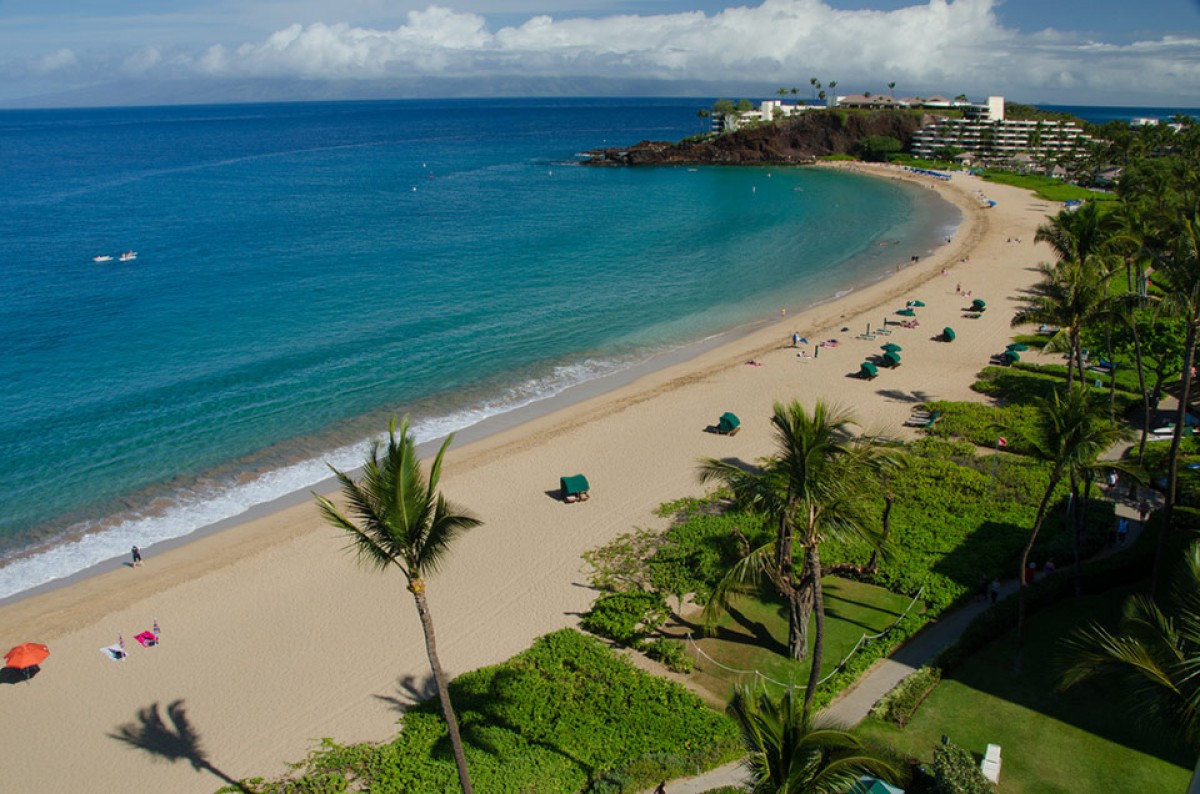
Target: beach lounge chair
point(114, 653)
point(729, 424)
point(990, 765)
point(574, 488)
point(922, 419)
point(890, 359)
point(947, 334)
point(978, 305)
point(867, 370)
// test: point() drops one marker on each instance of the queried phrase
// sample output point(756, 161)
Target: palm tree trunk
point(793, 592)
point(888, 498)
point(1037, 527)
point(417, 587)
point(812, 564)
point(1141, 373)
point(1189, 358)
point(1076, 531)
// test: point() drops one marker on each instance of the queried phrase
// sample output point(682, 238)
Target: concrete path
point(854, 704)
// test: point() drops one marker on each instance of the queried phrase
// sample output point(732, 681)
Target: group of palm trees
point(816, 485)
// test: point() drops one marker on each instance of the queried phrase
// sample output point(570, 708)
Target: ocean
point(306, 271)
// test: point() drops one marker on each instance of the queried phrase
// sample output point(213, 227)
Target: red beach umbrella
point(28, 654)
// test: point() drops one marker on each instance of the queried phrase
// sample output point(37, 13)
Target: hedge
point(564, 716)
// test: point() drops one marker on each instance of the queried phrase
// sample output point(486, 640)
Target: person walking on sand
point(662, 788)
point(137, 557)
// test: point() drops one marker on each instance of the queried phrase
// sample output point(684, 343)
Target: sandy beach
point(272, 637)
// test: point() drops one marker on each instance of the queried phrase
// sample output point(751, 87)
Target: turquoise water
point(305, 271)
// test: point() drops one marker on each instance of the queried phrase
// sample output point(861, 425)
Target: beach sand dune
point(274, 638)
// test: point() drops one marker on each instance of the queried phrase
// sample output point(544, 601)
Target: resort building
point(984, 134)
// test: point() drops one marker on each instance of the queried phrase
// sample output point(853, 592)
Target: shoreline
point(56, 552)
point(249, 617)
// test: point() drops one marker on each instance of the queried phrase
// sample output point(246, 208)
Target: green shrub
point(558, 718)
point(955, 772)
point(627, 618)
point(901, 703)
point(671, 653)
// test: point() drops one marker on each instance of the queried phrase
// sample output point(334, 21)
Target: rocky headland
point(797, 140)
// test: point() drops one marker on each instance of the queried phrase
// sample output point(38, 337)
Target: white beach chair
point(990, 765)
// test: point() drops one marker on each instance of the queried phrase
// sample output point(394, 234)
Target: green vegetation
point(1047, 187)
point(1052, 741)
point(565, 716)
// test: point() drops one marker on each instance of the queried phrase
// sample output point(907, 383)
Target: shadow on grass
point(1092, 707)
point(173, 739)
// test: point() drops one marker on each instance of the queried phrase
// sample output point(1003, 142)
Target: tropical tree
point(1070, 435)
point(1178, 276)
point(1154, 655)
point(791, 754)
point(400, 519)
point(814, 487)
point(892, 89)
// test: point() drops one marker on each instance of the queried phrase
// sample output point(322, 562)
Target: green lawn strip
point(1047, 187)
point(566, 715)
point(1088, 739)
point(754, 635)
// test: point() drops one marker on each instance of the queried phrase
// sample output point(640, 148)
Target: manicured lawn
point(1083, 740)
point(754, 635)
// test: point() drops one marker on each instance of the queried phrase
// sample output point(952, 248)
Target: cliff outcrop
point(797, 140)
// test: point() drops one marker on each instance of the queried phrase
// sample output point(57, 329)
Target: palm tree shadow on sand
point(173, 738)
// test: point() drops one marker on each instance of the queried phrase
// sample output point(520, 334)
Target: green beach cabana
point(574, 488)
point(729, 424)
point(947, 334)
point(891, 359)
point(906, 313)
point(1011, 357)
point(917, 303)
point(867, 370)
point(1018, 347)
point(891, 347)
point(978, 305)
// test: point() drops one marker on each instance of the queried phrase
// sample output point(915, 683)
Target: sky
point(1081, 52)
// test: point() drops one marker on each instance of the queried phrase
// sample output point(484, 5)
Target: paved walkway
point(853, 705)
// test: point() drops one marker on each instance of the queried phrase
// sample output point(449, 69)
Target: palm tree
point(1070, 434)
point(892, 89)
point(1153, 656)
point(1073, 293)
point(1178, 275)
point(790, 754)
point(404, 521)
point(811, 488)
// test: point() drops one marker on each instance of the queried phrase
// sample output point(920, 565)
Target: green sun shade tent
point(1011, 357)
point(1017, 346)
point(978, 305)
point(574, 487)
point(916, 303)
point(891, 347)
point(891, 359)
point(906, 313)
point(948, 334)
point(728, 424)
point(867, 370)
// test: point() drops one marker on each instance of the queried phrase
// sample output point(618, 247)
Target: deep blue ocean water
point(305, 271)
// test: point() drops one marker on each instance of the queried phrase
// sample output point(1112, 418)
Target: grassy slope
point(1083, 740)
point(754, 635)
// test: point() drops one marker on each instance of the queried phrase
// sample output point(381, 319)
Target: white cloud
point(55, 61)
point(939, 45)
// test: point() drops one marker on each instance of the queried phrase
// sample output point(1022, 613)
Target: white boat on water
point(128, 256)
point(102, 258)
